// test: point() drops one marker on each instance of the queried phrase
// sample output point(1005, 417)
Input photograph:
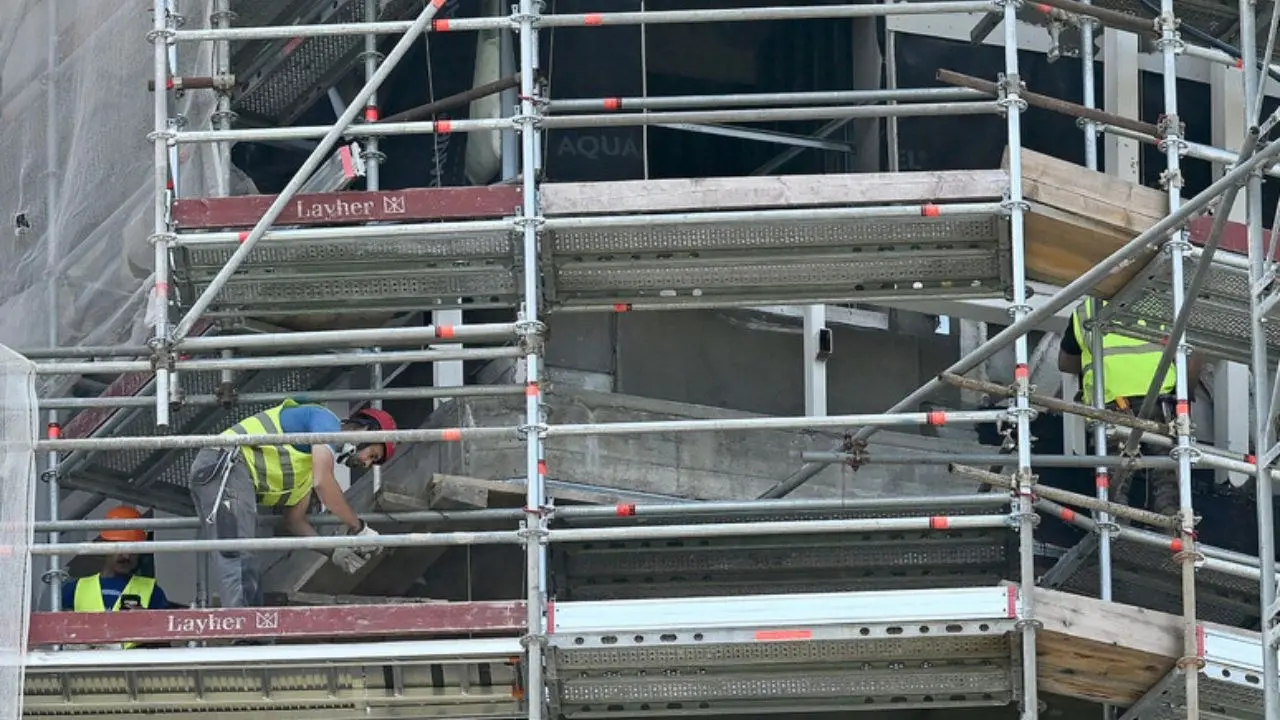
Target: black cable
point(1212, 41)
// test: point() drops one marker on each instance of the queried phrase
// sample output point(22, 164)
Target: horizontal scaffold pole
point(282, 362)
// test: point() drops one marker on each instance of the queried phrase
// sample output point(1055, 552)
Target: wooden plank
point(635, 196)
point(348, 621)
point(351, 208)
point(1105, 652)
point(1074, 185)
point(1062, 246)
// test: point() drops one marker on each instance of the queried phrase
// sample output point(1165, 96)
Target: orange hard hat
point(124, 512)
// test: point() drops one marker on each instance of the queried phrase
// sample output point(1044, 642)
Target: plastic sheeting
point(18, 432)
point(76, 190)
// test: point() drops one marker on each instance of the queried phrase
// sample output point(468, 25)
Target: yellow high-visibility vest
point(281, 473)
point(1128, 364)
point(88, 596)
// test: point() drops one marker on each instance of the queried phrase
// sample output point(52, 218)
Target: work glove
point(351, 559)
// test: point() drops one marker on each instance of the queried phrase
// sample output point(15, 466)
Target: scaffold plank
point(1230, 682)
point(787, 191)
point(347, 621)
point(349, 208)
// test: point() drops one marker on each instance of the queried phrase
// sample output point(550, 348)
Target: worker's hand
point(349, 560)
point(367, 550)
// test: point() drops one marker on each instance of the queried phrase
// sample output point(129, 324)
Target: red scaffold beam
point(349, 208)
point(343, 621)
point(1235, 236)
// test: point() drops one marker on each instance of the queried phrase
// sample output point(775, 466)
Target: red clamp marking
point(1199, 639)
point(1239, 63)
point(930, 210)
point(440, 25)
point(1046, 9)
point(438, 3)
point(1251, 459)
point(444, 127)
point(783, 635)
point(170, 84)
point(55, 431)
point(244, 235)
point(452, 435)
point(1021, 372)
point(937, 417)
point(531, 390)
point(1012, 608)
point(168, 184)
point(371, 114)
point(593, 19)
point(625, 509)
point(613, 103)
point(622, 307)
point(1175, 545)
point(542, 467)
point(939, 523)
point(1183, 408)
point(1067, 514)
point(1102, 480)
point(184, 357)
point(551, 613)
point(162, 288)
point(445, 332)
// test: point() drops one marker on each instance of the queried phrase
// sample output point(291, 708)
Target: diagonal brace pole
point(1058, 301)
point(304, 173)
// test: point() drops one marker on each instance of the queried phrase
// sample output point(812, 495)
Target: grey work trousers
point(237, 573)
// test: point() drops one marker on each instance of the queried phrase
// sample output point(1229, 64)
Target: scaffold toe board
point(1149, 577)
point(345, 621)
point(742, 240)
point(783, 653)
point(1220, 318)
point(1230, 682)
point(283, 77)
point(437, 678)
point(888, 560)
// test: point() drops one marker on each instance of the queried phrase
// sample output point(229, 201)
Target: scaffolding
point(540, 248)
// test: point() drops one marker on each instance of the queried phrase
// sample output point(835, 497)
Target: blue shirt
point(309, 419)
point(111, 589)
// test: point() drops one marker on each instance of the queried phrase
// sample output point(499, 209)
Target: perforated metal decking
point(783, 653)
point(1230, 682)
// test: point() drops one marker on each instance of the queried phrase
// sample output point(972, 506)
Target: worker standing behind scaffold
point(229, 484)
point(1128, 364)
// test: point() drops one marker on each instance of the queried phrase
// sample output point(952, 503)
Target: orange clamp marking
point(1102, 481)
point(1251, 459)
point(930, 210)
point(622, 307)
point(438, 3)
point(1239, 63)
point(444, 331)
point(452, 435)
point(613, 103)
point(625, 509)
point(55, 431)
point(440, 25)
point(444, 127)
point(937, 417)
point(531, 390)
point(1183, 408)
point(245, 236)
point(542, 467)
point(1021, 372)
point(593, 19)
point(939, 523)
point(781, 635)
point(371, 114)
point(1175, 545)
point(1067, 514)
point(1044, 8)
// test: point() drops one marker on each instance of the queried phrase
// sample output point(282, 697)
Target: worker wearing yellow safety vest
point(228, 485)
point(1128, 366)
point(117, 586)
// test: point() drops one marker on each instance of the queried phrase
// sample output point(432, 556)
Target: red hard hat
point(381, 420)
point(124, 512)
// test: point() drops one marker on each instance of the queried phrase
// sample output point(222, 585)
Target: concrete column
point(1230, 379)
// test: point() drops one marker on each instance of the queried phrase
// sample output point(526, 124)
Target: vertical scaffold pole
point(1102, 474)
point(160, 36)
point(1263, 428)
point(1013, 105)
point(1178, 246)
point(531, 331)
point(372, 174)
point(53, 245)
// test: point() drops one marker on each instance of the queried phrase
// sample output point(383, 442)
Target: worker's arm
point(327, 487)
point(1195, 366)
point(1068, 363)
point(1069, 353)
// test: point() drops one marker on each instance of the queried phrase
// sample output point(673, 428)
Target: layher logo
point(210, 623)
point(340, 209)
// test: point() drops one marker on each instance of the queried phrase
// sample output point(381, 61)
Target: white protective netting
point(76, 165)
point(18, 428)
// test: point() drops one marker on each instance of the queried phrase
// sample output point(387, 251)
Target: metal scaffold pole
point(1023, 509)
point(158, 308)
point(535, 528)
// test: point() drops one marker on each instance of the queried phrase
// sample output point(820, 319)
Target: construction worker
point(1128, 366)
point(117, 586)
point(228, 485)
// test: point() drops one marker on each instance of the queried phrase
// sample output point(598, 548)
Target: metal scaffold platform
point(763, 606)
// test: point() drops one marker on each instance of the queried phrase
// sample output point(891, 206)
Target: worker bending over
point(116, 586)
point(229, 484)
point(1128, 365)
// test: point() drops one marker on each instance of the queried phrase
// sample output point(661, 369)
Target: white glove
point(351, 559)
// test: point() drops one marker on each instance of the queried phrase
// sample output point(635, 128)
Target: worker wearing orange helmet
point(116, 586)
point(228, 485)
